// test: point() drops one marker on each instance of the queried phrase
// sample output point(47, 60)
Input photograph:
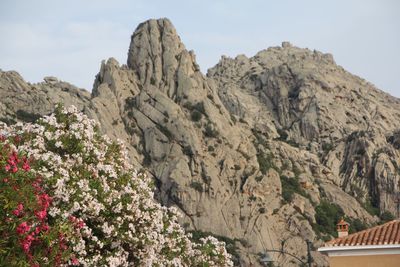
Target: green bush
point(291, 186)
point(230, 244)
point(264, 161)
point(282, 135)
point(327, 216)
point(195, 115)
point(210, 131)
point(165, 131)
point(27, 116)
point(371, 208)
point(187, 150)
point(356, 225)
point(197, 186)
point(130, 102)
point(386, 216)
point(326, 147)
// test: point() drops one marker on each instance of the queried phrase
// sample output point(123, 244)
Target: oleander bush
point(69, 197)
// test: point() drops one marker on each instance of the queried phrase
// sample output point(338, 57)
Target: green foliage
point(354, 135)
point(356, 225)
point(165, 131)
point(296, 170)
point(8, 121)
point(386, 216)
point(326, 147)
point(198, 106)
point(195, 115)
point(371, 208)
point(27, 116)
point(327, 215)
point(230, 244)
point(187, 150)
point(206, 179)
point(291, 186)
point(196, 186)
point(282, 135)
point(129, 102)
point(265, 162)
point(236, 167)
point(210, 131)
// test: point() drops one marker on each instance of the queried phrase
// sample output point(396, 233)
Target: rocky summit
point(263, 152)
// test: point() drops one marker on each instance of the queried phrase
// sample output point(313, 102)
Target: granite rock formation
point(222, 147)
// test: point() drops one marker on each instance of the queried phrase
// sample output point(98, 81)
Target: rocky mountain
point(258, 151)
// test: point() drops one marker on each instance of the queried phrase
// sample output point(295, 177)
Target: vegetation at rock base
point(210, 131)
point(195, 115)
point(196, 186)
point(327, 215)
point(291, 186)
point(265, 162)
point(230, 244)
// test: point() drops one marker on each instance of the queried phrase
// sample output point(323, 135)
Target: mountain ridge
point(226, 147)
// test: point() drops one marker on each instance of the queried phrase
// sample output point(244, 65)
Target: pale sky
point(69, 39)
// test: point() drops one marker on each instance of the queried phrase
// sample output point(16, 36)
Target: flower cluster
point(106, 206)
point(25, 233)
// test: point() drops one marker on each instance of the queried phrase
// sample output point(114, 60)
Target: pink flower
point(18, 211)
point(26, 246)
point(27, 242)
point(26, 166)
point(15, 169)
point(45, 228)
point(8, 167)
point(44, 200)
point(80, 224)
point(41, 214)
point(14, 157)
point(74, 261)
point(5, 180)
point(23, 228)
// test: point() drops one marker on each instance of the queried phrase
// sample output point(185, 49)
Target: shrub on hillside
point(327, 215)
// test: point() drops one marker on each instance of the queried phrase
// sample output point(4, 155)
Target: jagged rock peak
point(156, 52)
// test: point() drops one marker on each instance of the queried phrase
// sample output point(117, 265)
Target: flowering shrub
point(79, 202)
point(25, 234)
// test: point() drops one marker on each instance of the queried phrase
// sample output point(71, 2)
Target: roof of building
point(385, 234)
point(342, 222)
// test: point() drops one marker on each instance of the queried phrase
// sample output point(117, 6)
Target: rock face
point(222, 147)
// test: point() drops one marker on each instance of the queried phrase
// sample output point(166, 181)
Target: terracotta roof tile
point(385, 234)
